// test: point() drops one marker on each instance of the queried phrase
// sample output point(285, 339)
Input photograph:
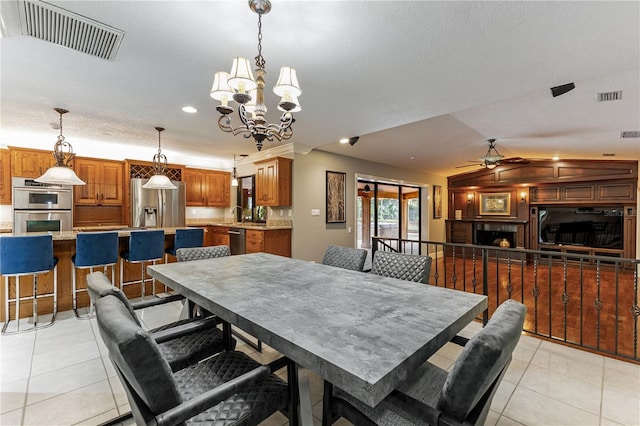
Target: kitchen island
point(64, 246)
point(272, 237)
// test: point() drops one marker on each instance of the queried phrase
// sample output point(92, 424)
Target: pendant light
point(234, 176)
point(159, 180)
point(61, 173)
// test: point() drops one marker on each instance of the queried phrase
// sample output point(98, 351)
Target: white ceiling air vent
point(610, 96)
point(630, 134)
point(53, 24)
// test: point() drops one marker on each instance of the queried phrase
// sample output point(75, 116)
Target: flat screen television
point(599, 227)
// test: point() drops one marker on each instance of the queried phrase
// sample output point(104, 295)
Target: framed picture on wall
point(437, 201)
point(495, 204)
point(336, 197)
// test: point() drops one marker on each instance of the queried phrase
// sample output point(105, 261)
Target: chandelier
point(159, 180)
point(248, 92)
point(61, 173)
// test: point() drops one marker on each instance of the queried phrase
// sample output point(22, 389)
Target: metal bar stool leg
point(35, 300)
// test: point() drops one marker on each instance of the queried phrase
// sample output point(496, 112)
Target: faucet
point(241, 215)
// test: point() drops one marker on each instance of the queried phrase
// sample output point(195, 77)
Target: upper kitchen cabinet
point(273, 182)
point(30, 163)
point(5, 176)
point(104, 182)
point(207, 188)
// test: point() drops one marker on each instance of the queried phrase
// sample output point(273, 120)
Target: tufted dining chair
point(182, 342)
point(433, 396)
point(409, 267)
point(345, 257)
point(198, 253)
point(227, 389)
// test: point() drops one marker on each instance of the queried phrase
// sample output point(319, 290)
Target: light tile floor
point(62, 376)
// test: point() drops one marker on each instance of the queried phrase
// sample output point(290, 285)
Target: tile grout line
point(26, 393)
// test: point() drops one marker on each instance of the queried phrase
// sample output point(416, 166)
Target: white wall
point(311, 234)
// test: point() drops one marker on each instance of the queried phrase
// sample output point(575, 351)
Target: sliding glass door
point(387, 210)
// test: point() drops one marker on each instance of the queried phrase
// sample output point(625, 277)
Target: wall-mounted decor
point(495, 204)
point(437, 201)
point(336, 197)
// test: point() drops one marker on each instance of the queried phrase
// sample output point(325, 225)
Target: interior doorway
point(387, 210)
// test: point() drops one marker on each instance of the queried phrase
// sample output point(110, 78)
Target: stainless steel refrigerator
point(157, 208)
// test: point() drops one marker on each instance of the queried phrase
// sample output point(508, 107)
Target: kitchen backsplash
point(208, 213)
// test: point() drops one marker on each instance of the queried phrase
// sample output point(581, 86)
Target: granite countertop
point(71, 235)
point(269, 225)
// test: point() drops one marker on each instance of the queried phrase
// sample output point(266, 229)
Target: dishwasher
point(236, 240)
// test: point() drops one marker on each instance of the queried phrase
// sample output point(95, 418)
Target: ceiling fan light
point(490, 165)
point(287, 85)
point(159, 182)
point(241, 77)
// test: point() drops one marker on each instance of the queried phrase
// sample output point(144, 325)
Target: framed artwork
point(336, 197)
point(437, 201)
point(495, 204)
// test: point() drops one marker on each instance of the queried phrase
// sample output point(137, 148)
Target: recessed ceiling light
point(344, 140)
point(413, 157)
point(189, 109)
point(556, 158)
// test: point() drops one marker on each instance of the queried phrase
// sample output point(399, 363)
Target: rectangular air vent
point(610, 96)
point(630, 134)
point(53, 24)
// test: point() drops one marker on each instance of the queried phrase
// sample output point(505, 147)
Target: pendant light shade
point(234, 176)
point(159, 180)
point(61, 173)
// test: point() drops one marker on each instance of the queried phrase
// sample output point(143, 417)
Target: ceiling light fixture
point(492, 158)
point(189, 109)
point(234, 180)
point(249, 94)
point(159, 180)
point(61, 173)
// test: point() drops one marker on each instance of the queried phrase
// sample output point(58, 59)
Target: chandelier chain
point(260, 62)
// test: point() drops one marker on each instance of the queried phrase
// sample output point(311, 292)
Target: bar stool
point(94, 249)
point(185, 238)
point(27, 255)
point(144, 246)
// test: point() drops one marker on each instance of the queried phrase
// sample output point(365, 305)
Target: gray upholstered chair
point(183, 342)
point(408, 267)
point(345, 257)
point(198, 253)
point(227, 389)
point(434, 397)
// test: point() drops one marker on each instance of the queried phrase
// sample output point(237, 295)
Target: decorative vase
point(505, 243)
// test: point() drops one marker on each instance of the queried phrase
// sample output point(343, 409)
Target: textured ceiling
point(423, 84)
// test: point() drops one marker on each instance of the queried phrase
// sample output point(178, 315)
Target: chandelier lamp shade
point(240, 86)
point(159, 180)
point(61, 173)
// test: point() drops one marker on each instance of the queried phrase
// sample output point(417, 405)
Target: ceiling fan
point(492, 158)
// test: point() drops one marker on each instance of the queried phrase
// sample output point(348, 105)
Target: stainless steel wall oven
point(41, 207)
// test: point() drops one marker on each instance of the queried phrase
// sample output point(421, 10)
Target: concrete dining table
point(362, 332)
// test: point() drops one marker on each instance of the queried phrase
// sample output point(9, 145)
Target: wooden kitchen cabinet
point(30, 163)
point(207, 188)
point(219, 236)
point(5, 176)
point(273, 182)
point(104, 182)
point(274, 241)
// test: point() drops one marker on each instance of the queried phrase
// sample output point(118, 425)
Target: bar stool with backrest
point(144, 246)
point(93, 249)
point(185, 238)
point(27, 255)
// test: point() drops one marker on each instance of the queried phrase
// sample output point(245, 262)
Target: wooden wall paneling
point(616, 191)
point(542, 194)
point(578, 193)
point(630, 223)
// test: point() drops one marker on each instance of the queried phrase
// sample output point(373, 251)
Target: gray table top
point(361, 332)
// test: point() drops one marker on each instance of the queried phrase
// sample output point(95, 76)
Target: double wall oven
point(41, 207)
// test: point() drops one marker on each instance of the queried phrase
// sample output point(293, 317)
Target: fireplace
point(491, 234)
